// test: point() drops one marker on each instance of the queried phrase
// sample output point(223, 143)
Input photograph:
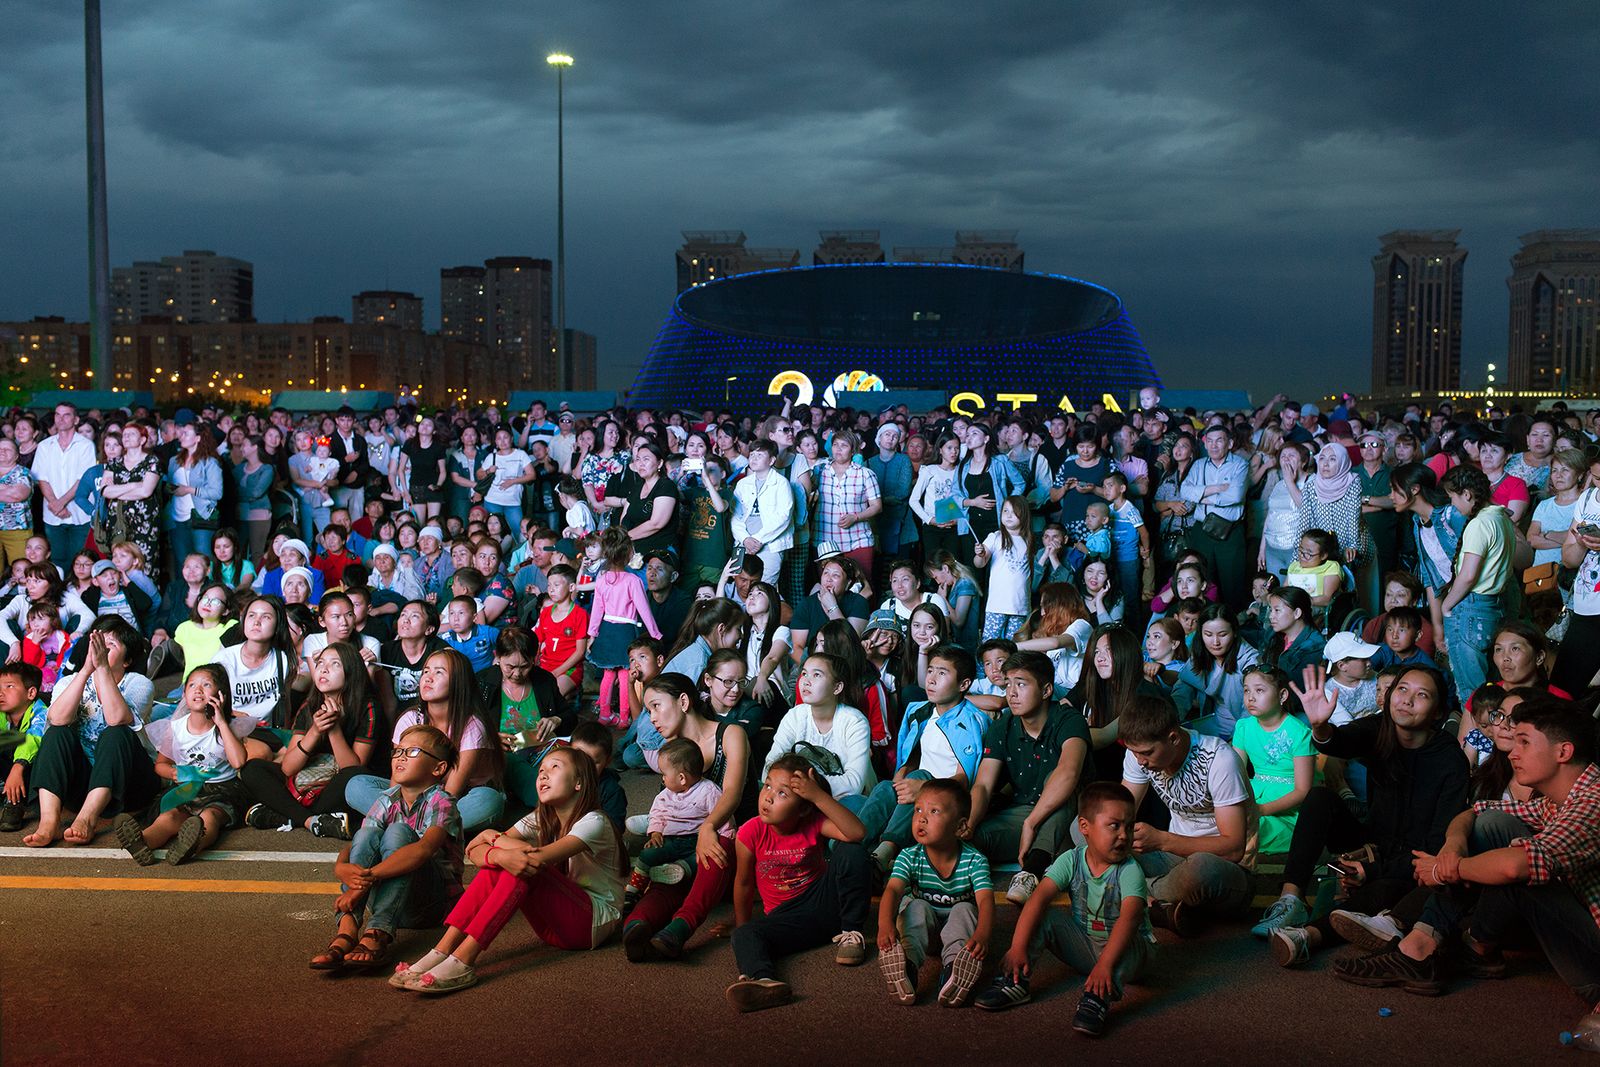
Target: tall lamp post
point(561, 61)
point(100, 367)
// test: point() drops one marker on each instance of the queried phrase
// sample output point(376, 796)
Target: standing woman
point(511, 469)
point(1285, 492)
point(463, 468)
point(16, 504)
point(423, 475)
point(1377, 512)
point(645, 500)
point(1079, 479)
point(1476, 602)
point(1177, 514)
point(936, 499)
point(275, 454)
point(1532, 464)
point(608, 460)
point(90, 757)
point(254, 477)
point(129, 487)
point(1334, 504)
point(311, 487)
point(194, 480)
point(1506, 489)
point(983, 481)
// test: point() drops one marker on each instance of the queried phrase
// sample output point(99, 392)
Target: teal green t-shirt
point(971, 874)
point(1095, 914)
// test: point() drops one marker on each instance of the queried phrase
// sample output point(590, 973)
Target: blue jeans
point(1128, 579)
point(1558, 917)
point(512, 513)
point(66, 541)
point(313, 517)
point(184, 539)
point(416, 900)
point(481, 806)
point(881, 812)
point(641, 737)
point(1468, 632)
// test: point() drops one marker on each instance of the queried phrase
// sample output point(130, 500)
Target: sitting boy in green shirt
point(25, 720)
point(1105, 934)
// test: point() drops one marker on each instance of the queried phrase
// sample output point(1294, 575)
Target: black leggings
point(267, 784)
point(121, 765)
point(1324, 823)
point(1579, 657)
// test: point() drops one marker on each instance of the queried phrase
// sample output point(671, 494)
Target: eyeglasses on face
point(1498, 717)
point(413, 752)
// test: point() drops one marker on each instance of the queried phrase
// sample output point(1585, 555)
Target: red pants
point(690, 901)
point(555, 906)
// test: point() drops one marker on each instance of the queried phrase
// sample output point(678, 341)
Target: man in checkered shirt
point(1506, 863)
point(847, 497)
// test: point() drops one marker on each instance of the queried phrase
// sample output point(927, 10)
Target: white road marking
point(223, 855)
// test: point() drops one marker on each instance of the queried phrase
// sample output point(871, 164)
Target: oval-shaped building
point(819, 332)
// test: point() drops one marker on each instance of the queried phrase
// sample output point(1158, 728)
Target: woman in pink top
point(620, 607)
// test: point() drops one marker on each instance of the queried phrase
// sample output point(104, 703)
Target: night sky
point(1225, 167)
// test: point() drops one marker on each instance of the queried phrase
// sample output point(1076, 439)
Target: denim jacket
point(1003, 476)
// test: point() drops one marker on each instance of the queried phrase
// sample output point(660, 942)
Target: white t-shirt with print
point(507, 466)
point(1010, 577)
point(1209, 779)
point(255, 690)
point(1585, 597)
point(594, 869)
point(202, 751)
point(1069, 665)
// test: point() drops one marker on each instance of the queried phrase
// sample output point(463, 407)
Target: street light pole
point(99, 251)
point(561, 61)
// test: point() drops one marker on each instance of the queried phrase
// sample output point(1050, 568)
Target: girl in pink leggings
point(563, 866)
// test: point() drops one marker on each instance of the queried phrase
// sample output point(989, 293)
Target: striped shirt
point(970, 876)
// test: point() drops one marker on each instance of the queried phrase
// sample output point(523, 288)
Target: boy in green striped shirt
point(940, 885)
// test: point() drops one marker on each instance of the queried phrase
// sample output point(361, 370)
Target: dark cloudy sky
point(1226, 167)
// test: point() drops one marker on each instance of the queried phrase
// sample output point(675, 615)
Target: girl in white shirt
point(1010, 549)
point(822, 721)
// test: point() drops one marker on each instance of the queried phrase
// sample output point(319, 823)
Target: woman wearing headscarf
point(1333, 503)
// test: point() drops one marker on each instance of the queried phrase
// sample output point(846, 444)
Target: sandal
point(371, 955)
point(332, 958)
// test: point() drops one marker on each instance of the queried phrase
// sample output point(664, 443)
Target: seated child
point(1348, 657)
point(1401, 589)
point(27, 715)
point(645, 662)
point(1474, 732)
point(1401, 632)
point(988, 693)
point(45, 643)
point(561, 865)
point(676, 815)
point(1316, 570)
point(1275, 751)
point(471, 639)
point(111, 597)
point(594, 740)
point(1105, 934)
point(200, 751)
point(1253, 624)
point(807, 896)
point(939, 887)
point(404, 866)
point(1050, 562)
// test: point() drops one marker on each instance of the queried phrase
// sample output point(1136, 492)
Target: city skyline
point(1221, 169)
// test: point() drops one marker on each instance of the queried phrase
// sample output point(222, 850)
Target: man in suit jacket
point(350, 449)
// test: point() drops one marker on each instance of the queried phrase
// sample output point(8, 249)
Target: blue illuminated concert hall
point(819, 333)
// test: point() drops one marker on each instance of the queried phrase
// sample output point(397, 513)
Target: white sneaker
point(884, 856)
point(1022, 886)
point(670, 873)
point(1371, 933)
point(637, 824)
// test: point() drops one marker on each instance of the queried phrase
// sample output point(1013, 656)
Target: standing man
point(59, 463)
point(1216, 487)
point(350, 449)
point(846, 499)
point(893, 471)
point(763, 511)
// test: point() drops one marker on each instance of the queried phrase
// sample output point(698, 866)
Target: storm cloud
point(1225, 167)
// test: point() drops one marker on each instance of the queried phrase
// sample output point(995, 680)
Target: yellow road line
point(169, 885)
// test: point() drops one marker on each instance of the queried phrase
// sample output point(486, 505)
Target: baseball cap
point(101, 566)
point(566, 547)
point(884, 619)
point(666, 555)
point(1346, 645)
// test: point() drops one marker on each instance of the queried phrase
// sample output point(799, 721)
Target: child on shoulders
point(404, 866)
point(940, 887)
point(1106, 932)
point(808, 898)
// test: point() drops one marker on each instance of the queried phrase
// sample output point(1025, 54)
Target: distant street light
point(561, 61)
point(727, 388)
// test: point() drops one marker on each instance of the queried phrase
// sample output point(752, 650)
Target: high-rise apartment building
point(1416, 311)
point(707, 255)
point(582, 350)
point(198, 286)
point(847, 246)
point(1555, 312)
point(388, 308)
point(518, 313)
point(462, 314)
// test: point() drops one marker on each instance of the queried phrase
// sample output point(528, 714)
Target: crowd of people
point(943, 658)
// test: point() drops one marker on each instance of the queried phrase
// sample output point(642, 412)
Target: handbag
point(1216, 527)
point(1541, 579)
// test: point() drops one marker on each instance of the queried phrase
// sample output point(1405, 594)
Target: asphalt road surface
point(104, 962)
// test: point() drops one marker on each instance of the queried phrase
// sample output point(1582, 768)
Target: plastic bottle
point(1586, 1035)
